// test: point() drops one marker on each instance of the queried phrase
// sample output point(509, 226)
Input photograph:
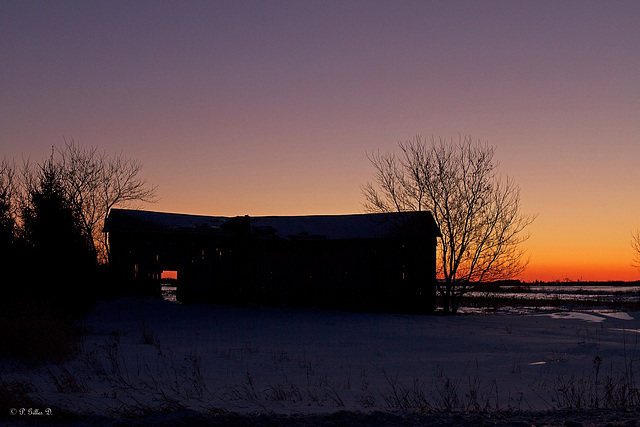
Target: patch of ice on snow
point(577, 316)
point(594, 316)
point(620, 315)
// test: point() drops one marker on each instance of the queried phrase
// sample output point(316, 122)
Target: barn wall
point(360, 274)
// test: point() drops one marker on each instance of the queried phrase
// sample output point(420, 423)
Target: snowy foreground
point(150, 361)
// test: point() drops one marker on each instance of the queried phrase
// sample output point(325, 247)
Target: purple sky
point(269, 108)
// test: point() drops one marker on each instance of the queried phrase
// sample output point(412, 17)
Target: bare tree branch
point(8, 207)
point(477, 211)
point(635, 244)
point(96, 183)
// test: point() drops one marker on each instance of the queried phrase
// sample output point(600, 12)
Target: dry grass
point(35, 333)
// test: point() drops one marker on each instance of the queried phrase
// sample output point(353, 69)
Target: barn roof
point(336, 227)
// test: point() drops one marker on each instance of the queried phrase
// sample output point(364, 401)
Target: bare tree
point(7, 203)
point(635, 245)
point(477, 211)
point(97, 182)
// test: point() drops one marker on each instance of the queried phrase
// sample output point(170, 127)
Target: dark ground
point(572, 418)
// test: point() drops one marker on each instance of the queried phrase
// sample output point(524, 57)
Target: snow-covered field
point(146, 356)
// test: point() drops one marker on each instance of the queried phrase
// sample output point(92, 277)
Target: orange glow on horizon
point(169, 274)
point(579, 271)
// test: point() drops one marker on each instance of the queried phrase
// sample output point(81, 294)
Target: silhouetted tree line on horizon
point(52, 213)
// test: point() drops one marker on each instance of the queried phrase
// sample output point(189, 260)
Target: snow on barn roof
point(338, 227)
point(144, 221)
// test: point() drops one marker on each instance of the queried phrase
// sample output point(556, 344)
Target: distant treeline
point(561, 282)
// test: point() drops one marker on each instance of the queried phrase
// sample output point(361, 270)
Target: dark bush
point(34, 332)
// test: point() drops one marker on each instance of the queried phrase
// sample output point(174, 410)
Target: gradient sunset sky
point(269, 107)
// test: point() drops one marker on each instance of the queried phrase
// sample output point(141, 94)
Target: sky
point(270, 107)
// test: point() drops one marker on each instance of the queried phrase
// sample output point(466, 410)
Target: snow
point(164, 219)
point(594, 316)
point(355, 226)
point(587, 317)
point(146, 356)
point(616, 315)
point(352, 226)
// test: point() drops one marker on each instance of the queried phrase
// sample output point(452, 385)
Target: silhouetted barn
point(383, 261)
